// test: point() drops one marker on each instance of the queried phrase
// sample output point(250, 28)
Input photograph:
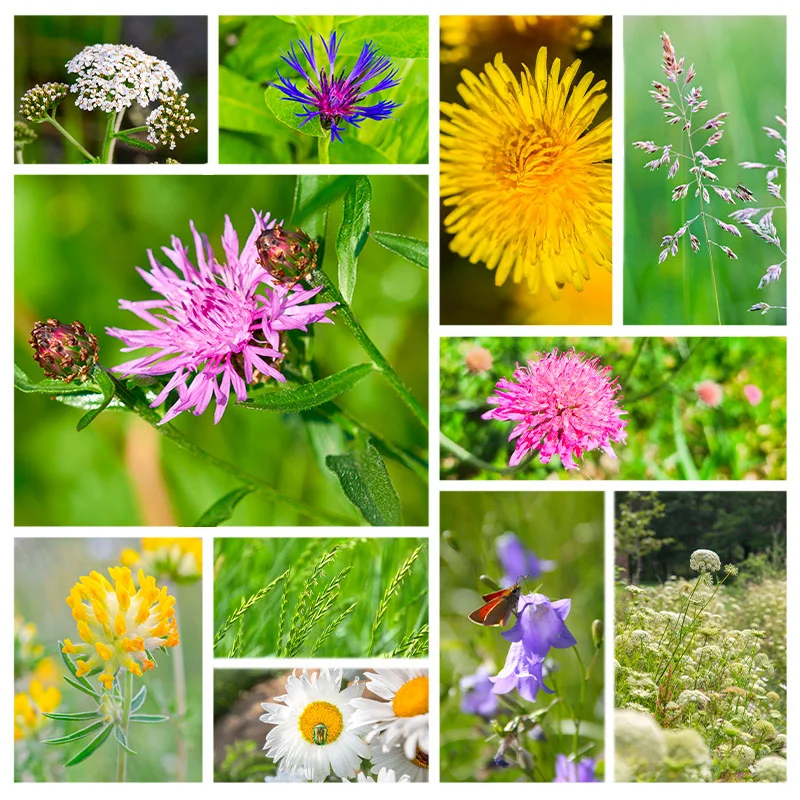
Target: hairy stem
point(127, 694)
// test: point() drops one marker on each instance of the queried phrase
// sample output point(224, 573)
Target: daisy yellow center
point(411, 699)
point(321, 723)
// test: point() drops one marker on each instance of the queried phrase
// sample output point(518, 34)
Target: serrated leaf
point(122, 740)
point(352, 235)
point(73, 717)
point(413, 250)
point(91, 747)
point(73, 737)
point(151, 719)
point(107, 387)
point(81, 688)
point(138, 699)
point(286, 110)
point(310, 395)
point(222, 510)
point(48, 385)
point(141, 144)
point(366, 483)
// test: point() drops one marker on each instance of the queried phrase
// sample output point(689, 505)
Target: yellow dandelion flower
point(119, 624)
point(180, 559)
point(460, 34)
point(29, 706)
point(526, 178)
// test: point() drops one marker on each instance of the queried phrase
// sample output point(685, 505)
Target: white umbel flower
point(402, 715)
point(314, 733)
point(112, 77)
point(704, 561)
point(392, 757)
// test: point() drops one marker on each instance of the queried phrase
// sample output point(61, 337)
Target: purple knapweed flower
point(565, 404)
point(477, 696)
point(567, 771)
point(539, 627)
point(517, 561)
point(216, 326)
point(338, 98)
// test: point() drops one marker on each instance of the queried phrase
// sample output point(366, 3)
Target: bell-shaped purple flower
point(567, 771)
point(517, 561)
point(477, 695)
point(523, 672)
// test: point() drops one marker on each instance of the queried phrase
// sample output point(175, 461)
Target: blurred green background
point(45, 570)
point(469, 295)
point(741, 65)
point(250, 54)
point(78, 240)
point(563, 527)
point(671, 434)
point(43, 46)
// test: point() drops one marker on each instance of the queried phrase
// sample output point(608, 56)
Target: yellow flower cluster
point(28, 708)
point(118, 624)
point(180, 559)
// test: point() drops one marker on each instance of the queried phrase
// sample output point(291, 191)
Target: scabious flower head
point(218, 326)
point(178, 559)
point(704, 561)
point(36, 102)
point(401, 715)
point(112, 77)
point(171, 121)
point(314, 734)
point(710, 392)
point(333, 98)
point(565, 405)
point(567, 771)
point(64, 352)
point(530, 191)
point(517, 560)
point(119, 624)
point(477, 696)
point(753, 394)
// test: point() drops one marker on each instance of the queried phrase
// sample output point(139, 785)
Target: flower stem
point(324, 143)
point(318, 277)
point(179, 677)
point(70, 138)
point(122, 753)
point(113, 143)
point(577, 717)
point(108, 137)
point(140, 407)
point(19, 158)
point(129, 131)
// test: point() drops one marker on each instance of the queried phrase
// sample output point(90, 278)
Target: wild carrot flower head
point(218, 325)
point(530, 191)
point(338, 98)
point(565, 405)
point(705, 561)
point(119, 624)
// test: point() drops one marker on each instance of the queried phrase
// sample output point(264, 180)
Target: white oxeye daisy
point(384, 776)
point(392, 757)
point(314, 733)
point(402, 715)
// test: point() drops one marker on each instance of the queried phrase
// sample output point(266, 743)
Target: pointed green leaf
point(138, 699)
point(50, 386)
point(81, 688)
point(315, 223)
point(122, 740)
point(309, 395)
point(91, 747)
point(286, 110)
point(73, 737)
point(352, 234)
point(150, 718)
point(316, 193)
point(221, 510)
point(413, 250)
point(241, 105)
point(74, 717)
point(366, 483)
point(141, 144)
point(107, 387)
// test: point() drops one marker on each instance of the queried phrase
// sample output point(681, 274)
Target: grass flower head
point(218, 326)
point(120, 625)
point(530, 191)
point(336, 99)
point(565, 405)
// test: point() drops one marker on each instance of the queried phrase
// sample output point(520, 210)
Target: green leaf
point(352, 235)
point(107, 387)
point(141, 144)
point(221, 510)
point(149, 718)
point(257, 54)
point(138, 699)
point(241, 105)
point(122, 739)
point(309, 395)
point(681, 445)
point(81, 688)
point(285, 111)
point(91, 747)
point(366, 483)
point(75, 717)
point(49, 386)
point(396, 36)
point(413, 250)
point(353, 151)
point(313, 195)
point(73, 737)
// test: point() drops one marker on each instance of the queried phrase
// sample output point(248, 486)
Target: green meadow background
point(741, 65)
point(77, 242)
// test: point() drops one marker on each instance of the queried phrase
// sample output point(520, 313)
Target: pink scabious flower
point(753, 394)
point(565, 404)
point(710, 392)
point(216, 326)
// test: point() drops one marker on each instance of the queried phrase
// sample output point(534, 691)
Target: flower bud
point(36, 102)
point(64, 352)
point(288, 256)
point(597, 633)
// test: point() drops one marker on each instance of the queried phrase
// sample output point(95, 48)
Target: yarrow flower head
point(517, 560)
point(218, 326)
point(64, 352)
point(565, 405)
point(171, 120)
point(333, 98)
point(705, 561)
point(36, 102)
point(179, 559)
point(112, 77)
point(120, 625)
point(568, 771)
point(527, 180)
point(314, 734)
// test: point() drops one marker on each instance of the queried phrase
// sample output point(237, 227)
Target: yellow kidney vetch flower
point(181, 559)
point(29, 706)
point(118, 624)
point(528, 180)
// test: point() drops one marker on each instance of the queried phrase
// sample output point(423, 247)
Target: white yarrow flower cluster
point(705, 561)
point(112, 77)
point(170, 121)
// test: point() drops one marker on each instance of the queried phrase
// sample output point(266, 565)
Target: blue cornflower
point(338, 98)
point(567, 771)
point(516, 560)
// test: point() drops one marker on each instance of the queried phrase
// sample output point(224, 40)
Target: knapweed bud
point(597, 633)
point(64, 352)
point(36, 102)
point(288, 256)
